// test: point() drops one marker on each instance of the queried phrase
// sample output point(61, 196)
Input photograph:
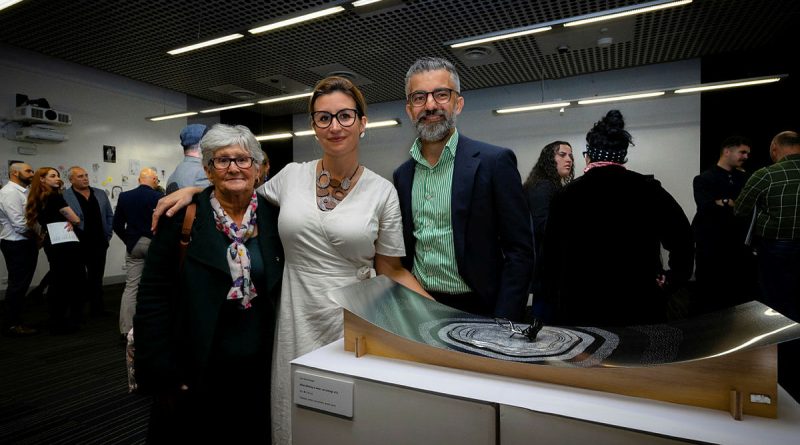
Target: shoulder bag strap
point(186, 233)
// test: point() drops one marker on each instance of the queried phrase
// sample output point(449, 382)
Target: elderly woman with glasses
point(205, 315)
point(339, 222)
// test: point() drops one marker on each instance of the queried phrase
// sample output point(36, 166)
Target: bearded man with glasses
point(465, 219)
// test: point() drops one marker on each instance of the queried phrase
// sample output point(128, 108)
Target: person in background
point(773, 193)
point(602, 247)
point(189, 173)
point(18, 244)
point(205, 321)
point(265, 169)
point(67, 283)
point(132, 219)
point(93, 207)
point(465, 222)
point(719, 235)
point(340, 224)
point(553, 170)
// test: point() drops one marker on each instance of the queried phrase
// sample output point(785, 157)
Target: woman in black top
point(602, 251)
point(67, 276)
point(554, 169)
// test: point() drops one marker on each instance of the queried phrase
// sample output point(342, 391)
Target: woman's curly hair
point(545, 168)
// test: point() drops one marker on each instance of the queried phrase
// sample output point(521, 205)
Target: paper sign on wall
point(323, 393)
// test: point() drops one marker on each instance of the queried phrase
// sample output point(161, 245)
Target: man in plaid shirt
point(774, 193)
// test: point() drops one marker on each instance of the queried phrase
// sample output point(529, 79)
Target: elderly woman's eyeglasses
point(346, 117)
point(223, 162)
point(530, 332)
point(440, 95)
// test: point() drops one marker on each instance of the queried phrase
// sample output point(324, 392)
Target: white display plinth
point(515, 400)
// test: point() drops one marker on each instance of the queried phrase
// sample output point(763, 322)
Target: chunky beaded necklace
point(330, 191)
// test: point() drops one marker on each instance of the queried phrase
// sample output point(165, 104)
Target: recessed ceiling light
point(270, 137)
point(721, 85)
point(204, 44)
point(6, 3)
point(284, 98)
point(227, 107)
point(532, 107)
point(620, 98)
point(386, 123)
point(360, 3)
point(655, 6)
point(172, 116)
point(500, 37)
point(296, 20)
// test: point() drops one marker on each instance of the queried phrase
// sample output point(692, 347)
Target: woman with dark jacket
point(204, 329)
point(602, 251)
point(554, 169)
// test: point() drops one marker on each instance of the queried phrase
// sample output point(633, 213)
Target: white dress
point(323, 251)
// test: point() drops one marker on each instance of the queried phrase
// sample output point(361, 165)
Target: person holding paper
point(46, 211)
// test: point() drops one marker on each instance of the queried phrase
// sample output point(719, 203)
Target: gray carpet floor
point(69, 389)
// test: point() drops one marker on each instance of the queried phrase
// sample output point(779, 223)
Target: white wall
point(666, 131)
point(106, 110)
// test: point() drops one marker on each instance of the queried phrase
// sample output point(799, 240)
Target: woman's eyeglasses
point(223, 163)
point(323, 119)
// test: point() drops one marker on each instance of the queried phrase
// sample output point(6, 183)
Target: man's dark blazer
point(134, 214)
point(491, 225)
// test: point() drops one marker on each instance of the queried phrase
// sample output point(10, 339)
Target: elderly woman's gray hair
point(221, 136)
point(426, 64)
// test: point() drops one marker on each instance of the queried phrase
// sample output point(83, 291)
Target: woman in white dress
point(339, 223)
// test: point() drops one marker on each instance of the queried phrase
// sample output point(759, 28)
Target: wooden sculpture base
point(724, 383)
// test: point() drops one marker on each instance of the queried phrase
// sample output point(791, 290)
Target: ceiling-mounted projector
point(37, 115)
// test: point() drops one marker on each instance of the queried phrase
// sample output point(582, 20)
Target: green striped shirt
point(435, 258)
point(775, 193)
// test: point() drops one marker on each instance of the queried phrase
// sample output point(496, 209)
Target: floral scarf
point(237, 255)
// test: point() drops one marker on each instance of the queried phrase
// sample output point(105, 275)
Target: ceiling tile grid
point(130, 38)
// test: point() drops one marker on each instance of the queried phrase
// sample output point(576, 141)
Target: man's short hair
point(71, 171)
point(734, 141)
point(787, 139)
point(426, 64)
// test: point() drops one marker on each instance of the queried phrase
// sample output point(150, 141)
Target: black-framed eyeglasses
point(222, 163)
point(346, 117)
point(440, 95)
point(530, 332)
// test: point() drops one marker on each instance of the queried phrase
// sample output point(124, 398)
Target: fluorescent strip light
point(296, 20)
point(284, 98)
point(532, 107)
point(269, 137)
point(627, 13)
point(204, 44)
point(376, 124)
point(380, 124)
point(619, 98)
point(501, 37)
point(227, 107)
point(172, 116)
point(719, 86)
point(364, 2)
point(5, 4)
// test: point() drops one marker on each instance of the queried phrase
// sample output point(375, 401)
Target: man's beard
point(436, 131)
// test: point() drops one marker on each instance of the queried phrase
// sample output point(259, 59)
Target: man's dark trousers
point(21, 257)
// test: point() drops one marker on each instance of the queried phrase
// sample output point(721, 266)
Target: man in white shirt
point(18, 244)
